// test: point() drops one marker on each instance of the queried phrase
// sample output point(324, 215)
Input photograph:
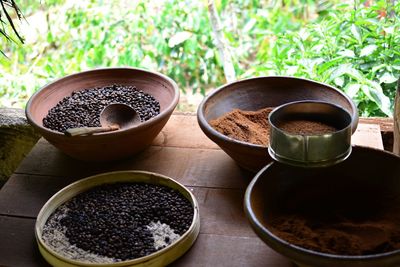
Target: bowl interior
point(363, 187)
point(159, 86)
point(257, 93)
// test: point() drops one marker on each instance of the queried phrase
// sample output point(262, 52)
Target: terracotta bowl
point(365, 185)
point(257, 93)
point(110, 145)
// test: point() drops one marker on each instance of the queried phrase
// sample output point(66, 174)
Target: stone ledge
point(17, 138)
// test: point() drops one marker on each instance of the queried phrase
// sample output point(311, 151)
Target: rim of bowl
point(140, 260)
point(297, 249)
point(169, 109)
point(204, 123)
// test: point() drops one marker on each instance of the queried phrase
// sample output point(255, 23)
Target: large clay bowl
point(363, 186)
point(257, 93)
point(109, 145)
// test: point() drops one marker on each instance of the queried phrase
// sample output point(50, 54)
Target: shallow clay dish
point(109, 145)
point(357, 186)
point(161, 257)
point(257, 93)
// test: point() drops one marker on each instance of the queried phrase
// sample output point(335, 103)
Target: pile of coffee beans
point(83, 107)
point(120, 221)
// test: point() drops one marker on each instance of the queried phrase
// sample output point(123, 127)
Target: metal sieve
point(310, 149)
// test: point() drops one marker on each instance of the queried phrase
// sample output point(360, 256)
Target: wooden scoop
point(113, 117)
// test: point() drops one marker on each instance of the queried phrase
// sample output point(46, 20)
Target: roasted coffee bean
point(83, 107)
point(112, 220)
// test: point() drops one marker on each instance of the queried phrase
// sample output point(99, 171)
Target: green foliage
point(352, 47)
point(167, 38)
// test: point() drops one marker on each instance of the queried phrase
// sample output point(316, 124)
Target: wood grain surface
point(182, 152)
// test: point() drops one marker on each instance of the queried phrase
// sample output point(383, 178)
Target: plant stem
point(220, 43)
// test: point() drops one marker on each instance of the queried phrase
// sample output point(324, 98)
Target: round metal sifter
point(310, 134)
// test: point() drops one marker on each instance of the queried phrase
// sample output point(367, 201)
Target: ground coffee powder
point(305, 127)
point(247, 126)
point(339, 234)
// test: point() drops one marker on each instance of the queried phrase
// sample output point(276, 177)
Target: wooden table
point(182, 152)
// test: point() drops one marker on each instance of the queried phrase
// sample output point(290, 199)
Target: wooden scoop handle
point(90, 130)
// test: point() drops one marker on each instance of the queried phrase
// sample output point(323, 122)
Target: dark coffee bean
point(111, 220)
point(83, 107)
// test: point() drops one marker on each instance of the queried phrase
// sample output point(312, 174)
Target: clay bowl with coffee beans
point(78, 99)
point(345, 215)
point(255, 98)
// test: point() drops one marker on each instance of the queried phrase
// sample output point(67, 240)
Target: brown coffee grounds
point(246, 126)
point(341, 237)
point(305, 127)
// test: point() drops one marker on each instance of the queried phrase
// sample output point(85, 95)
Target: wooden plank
point(221, 210)
point(386, 124)
point(182, 152)
point(194, 167)
point(18, 248)
point(184, 131)
point(368, 135)
point(24, 195)
point(216, 250)
point(17, 243)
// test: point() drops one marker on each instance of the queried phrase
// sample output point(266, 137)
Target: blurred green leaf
point(249, 25)
point(368, 50)
point(179, 38)
point(375, 94)
point(339, 81)
point(347, 53)
point(352, 89)
point(388, 78)
point(356, 32)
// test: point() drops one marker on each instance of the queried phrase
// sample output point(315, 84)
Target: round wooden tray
point(159, 258)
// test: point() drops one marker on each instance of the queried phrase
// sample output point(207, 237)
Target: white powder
point(54, 236)
point(163, 234)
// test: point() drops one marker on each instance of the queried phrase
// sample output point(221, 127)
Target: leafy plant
point(6, 19)
point(351, 46)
